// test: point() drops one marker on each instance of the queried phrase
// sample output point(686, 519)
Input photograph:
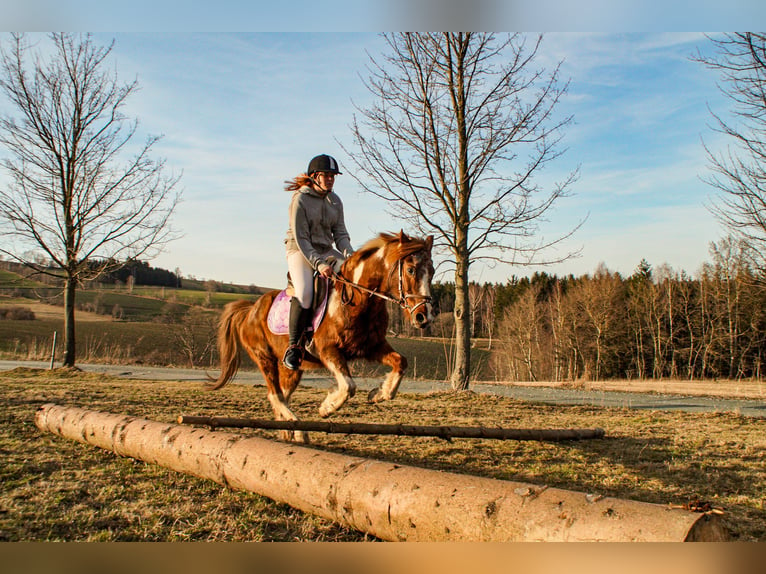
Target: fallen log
point(440, 431)
point(389, 501)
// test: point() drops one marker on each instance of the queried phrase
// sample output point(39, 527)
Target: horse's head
point(415, 270)
point(397, 268)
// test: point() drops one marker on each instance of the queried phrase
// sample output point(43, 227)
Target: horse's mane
point(406, 245)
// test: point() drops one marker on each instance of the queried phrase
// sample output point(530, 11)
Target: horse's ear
point(403, 236)
point(429, 242)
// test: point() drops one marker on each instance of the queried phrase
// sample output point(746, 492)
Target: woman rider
point(316, 222)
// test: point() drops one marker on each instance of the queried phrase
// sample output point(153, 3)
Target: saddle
point(279, 313)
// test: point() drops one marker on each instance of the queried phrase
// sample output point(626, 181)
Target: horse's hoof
point(295, 436)
point(329, 406)
point(374, 396)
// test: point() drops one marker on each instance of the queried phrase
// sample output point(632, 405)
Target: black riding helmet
point(323, 163)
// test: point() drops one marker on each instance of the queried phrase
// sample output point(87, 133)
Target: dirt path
point(747, 399)
point(725, 389)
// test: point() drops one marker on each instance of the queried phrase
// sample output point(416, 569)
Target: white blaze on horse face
point(424, 289)
point(420, 301)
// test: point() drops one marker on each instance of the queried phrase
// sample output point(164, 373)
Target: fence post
point(53, 348)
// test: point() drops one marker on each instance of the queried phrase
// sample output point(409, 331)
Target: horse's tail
point(234, 314)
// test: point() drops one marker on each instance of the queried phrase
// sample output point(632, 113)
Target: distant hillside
point(14, 275)
point(198, 285)
point(11, 280)
point(131, 301)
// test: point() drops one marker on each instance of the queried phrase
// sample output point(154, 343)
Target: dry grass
point(54, 489)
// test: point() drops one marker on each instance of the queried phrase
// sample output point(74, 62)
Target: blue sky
point(376, 15)
point(241, 112)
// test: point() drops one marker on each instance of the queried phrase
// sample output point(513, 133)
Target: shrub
point(117, 311)
point(17, 314)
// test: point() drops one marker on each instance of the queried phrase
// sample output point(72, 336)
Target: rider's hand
point(325, 270)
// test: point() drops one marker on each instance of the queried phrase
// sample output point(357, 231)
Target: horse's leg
point(280, 384)
point(386, 355)
point(288, 382)
point(338, 366)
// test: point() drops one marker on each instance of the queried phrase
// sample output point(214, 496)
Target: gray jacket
point(316, 222)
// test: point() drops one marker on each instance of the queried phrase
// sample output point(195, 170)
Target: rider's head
point(323, 169)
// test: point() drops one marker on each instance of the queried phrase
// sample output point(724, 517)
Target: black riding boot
point(299, 320)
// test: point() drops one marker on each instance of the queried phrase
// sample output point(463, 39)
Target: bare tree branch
point(739, 173)
point(72, 194)
point(460, 126)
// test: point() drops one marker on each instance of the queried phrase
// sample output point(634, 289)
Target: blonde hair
point(298, 182)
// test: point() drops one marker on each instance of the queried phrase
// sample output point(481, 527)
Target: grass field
point(55, 489)
point(102, 342)
point(150, 328)
point(161, 337)
point(51, 489)
point(142, 305)
point(215, 299)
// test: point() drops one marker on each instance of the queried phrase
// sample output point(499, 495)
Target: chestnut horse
point(390, 267)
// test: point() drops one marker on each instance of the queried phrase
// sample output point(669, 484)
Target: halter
point(401, 301)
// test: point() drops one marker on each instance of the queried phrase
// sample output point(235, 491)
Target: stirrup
point(293, 357)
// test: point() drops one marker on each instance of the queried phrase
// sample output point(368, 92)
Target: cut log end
point(709, 528)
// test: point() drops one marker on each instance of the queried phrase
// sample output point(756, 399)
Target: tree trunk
point(461, 373)
point(70, 346)
point(390, 501)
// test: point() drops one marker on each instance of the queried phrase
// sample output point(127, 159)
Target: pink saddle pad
point(279, 314)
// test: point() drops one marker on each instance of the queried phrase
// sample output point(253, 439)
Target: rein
point(401, 301)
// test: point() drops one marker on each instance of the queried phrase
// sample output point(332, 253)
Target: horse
point(389, 267)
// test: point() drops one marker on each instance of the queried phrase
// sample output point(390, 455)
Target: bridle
point(401, 300)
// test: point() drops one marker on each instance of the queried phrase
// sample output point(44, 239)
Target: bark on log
point(390, 501)
point(440, 431)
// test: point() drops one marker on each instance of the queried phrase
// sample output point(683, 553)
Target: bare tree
point(731, 279)
point(690, 312)
point(71, 195)
point(594, 298)
point(460, 125)
point(640, 293)
point(195, 336)
point(488, 296)
point(475, 300)
point(740, 173)
point(521, 333)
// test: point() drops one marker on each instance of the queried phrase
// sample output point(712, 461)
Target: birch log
point(390, 501)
